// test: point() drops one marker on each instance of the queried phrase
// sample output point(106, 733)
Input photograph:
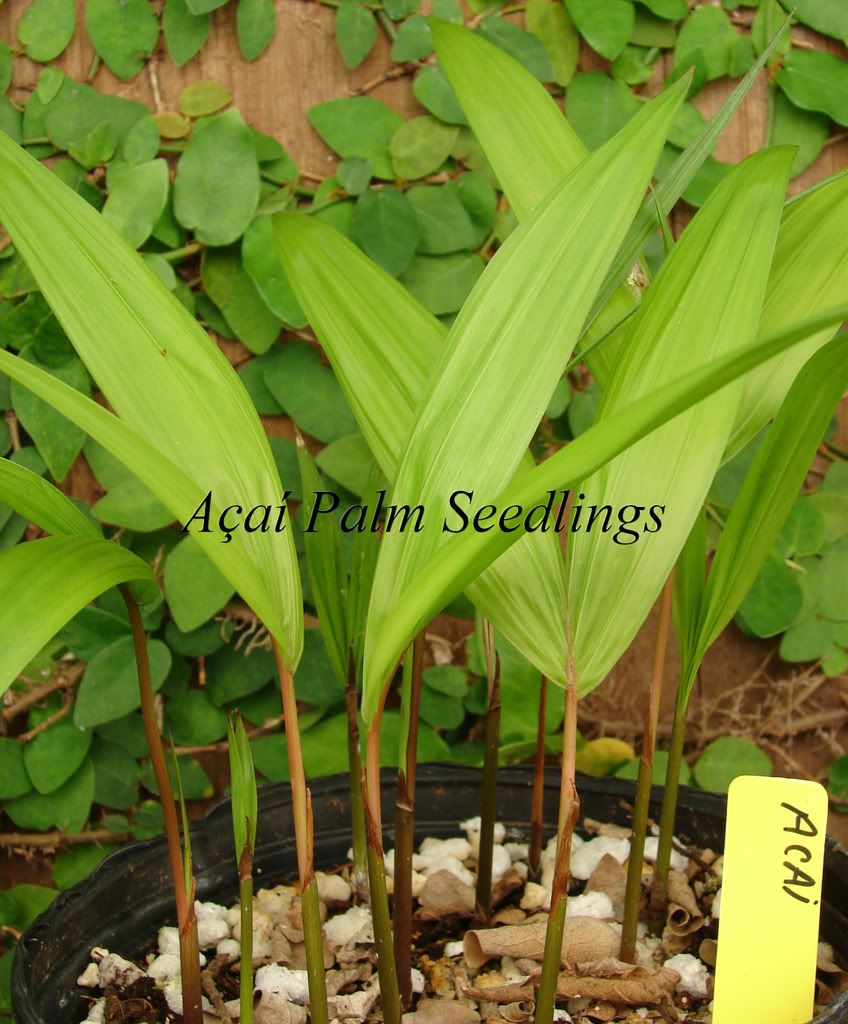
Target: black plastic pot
point(127, 899)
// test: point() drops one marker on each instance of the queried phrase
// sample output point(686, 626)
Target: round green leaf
point(726, 758)
point(148, 820)
point(420, 146)
point(814, 80)
point(46, 27)
point(185, 33)
point(231, 675)
point(66, 808)
point(53, 756)
point(386, 227)
point(31, 900)
point(193, 719)
point(137, 197)
point(195, 781)
point(774, 600)
point(123, 32)
point(315, 681)
point(447, 679)
point(201, 98)
point(142, 141)
point(115, 775)
point(527, 49)
point(606, 25)
point(358, 126)
point(262, 263)
point(216, 189)
point(109, 687)
point(196, 643)
point(414, 40)
point(194, 588)
point(441, 710)
point(325, 747)
point(14, 780)
point(76, 864)
point(443, 221)
point(356, 32)
point(435, 93)
point(309, 392)
point(442, 283)
point(256, 22)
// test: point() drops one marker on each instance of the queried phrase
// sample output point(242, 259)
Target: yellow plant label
point(770, 901)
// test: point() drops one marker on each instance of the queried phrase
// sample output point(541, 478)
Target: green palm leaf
point(520, 325)
point(456, 564)
point(707, 296)
point(384, 347)
point(179, 493)
point(46, 582)
point(769, 491)
point(158, 369)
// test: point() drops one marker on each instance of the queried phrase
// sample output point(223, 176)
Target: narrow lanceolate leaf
point(706, 300)
point(168, 483)
point(46, 582)
point(32, 497)
point(242, 786)
point(770, 489)
point(520, 324)
point(809, 274)
point(504, 102)
point(526, 139)
point(689, 582)
point(325, 564)
point(384, 347)
point(459, 562)
point(158, 369)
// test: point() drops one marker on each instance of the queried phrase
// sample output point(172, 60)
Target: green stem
point(534, 854)
point(569, 809)
point(633, 891)
point(389, 991)
point(313, 938)
point(190, 967)
point(178, 254)
point(488, 809)
point(186, 920)
point(672, 784)
point(357, 808)
point(246, 914)
point(405, 818)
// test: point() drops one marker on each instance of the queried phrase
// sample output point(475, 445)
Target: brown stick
point(51, 840)
point(25, 737)
point(27, 700)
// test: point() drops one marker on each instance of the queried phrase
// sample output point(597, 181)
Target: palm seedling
point(703, 607)
point(245, 816)
point(812, 231)
point(183, 423)
point(453, 408)
point(48, 581)
point(317, 260)
point(341, 599)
